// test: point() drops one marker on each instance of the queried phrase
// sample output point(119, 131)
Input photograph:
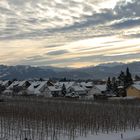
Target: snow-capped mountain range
point(101, 71)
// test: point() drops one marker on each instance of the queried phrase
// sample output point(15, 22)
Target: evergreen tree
point(122, 79)
point(41, 79)
point(125, 80)
point(109, 85)
point(128, 78)
point(64, 91)
point(114, 85)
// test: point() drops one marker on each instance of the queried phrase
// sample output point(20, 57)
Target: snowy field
point(128, 135)
point(55, 120)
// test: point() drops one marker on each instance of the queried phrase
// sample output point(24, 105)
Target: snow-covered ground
point(128, 135)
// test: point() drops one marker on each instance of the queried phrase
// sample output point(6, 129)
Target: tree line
point(119, 85)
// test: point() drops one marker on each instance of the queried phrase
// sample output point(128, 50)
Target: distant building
point(88, 85)
point(56, 90)
point(100, 92)
point(49, 89)
point(67, 84)
point(77, 90)
point(16, 87)
point(134, 90)
point(98, 89)
point(6, 83)
point(37, 88)
point(53, 91)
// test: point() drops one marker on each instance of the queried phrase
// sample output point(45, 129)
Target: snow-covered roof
point(86, 84)
point(137, 82)
point(54, 88)
point(33, 86)
point(101, 87)
point(136, 86)
point(36, 86)
point(78, 88)
point(15, 83)
point(5, 82)
point(120, 87)
point(42, 84)
point(67, 84)
point(21, 83)
point(7, 91)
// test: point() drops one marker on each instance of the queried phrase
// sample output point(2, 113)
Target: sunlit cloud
point(76, 33)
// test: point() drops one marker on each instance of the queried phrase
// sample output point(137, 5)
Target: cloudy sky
point(69, 33)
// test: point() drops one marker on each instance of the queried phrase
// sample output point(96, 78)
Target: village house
point(67, 84)
point(84, 90)
point(16, 88)
point(134, 90)
point(73, 89)
point(36, 88)
point(98, 89)
point(53, 91)
point(99, 92)
point(88, 85)
point(6, 83)
point(77, 90)
point(56, 90)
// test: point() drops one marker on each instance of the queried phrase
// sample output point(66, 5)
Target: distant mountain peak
point(101, 71)
point(113, 64)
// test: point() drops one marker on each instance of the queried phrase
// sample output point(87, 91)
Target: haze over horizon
point(73, 33)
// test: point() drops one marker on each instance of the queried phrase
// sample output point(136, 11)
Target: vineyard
point(57, 119)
